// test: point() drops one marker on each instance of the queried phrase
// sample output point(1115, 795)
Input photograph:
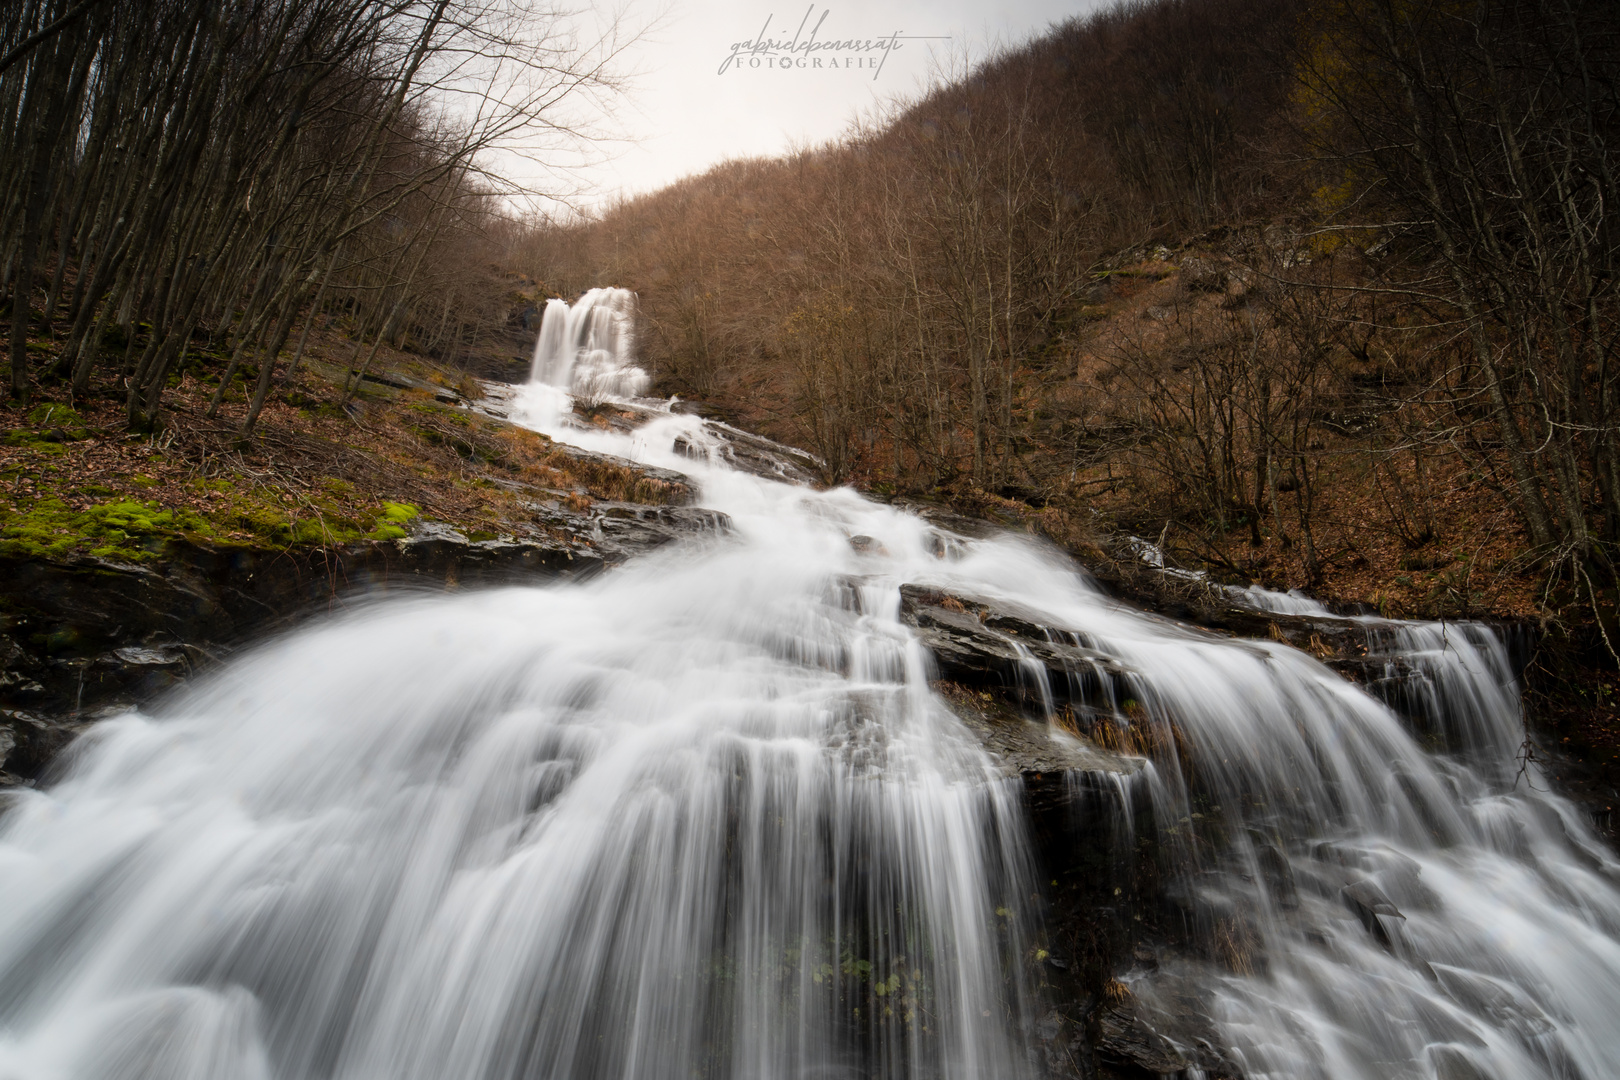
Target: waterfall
point(588, 349)
point(703, 816)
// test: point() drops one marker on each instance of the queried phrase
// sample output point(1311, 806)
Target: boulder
point(978, 644)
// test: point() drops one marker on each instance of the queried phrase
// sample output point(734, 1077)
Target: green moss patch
point(129, 530)
point(391, 522)
point(49, 426)
point(123, 530)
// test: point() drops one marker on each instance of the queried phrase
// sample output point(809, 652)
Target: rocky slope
point(86, 634)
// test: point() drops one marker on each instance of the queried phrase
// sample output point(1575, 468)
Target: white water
point(588, 349)
point(688, 819)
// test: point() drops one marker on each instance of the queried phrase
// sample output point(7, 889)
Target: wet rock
point(436, 550)
point(1126, 1041)
point(28, 743)
point(1047, 758)
point(81, 632)
point(1063, 1041)
point(1161, 1022)
point(632, 529)
point(1367, 901)
point(763, 457)
point(614, 532)
point(1365, 897)
point(755, 454)
point(949, 520)
point(976, 643)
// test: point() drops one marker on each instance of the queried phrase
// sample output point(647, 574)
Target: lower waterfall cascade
point(703, 816)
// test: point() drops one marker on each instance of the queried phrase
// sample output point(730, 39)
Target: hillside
point(1310, 296)
point(369, 707)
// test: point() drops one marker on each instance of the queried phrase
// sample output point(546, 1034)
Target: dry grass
point(309, 459)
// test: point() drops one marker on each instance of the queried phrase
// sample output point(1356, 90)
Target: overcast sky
point(682, 113)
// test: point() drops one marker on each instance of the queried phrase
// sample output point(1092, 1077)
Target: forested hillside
point(1316, 294)
point(184, 179)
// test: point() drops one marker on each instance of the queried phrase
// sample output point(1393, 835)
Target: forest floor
point(320, 468)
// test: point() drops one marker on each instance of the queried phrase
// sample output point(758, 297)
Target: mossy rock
point(54, 414)
point(51, 423)
point(391, 522)
point(122, 530)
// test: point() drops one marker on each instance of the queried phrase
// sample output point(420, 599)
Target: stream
point(704, 817)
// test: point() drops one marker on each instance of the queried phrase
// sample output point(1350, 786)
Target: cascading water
point(589, 349)
point(703, 817)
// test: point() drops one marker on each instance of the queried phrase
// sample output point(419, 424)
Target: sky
point(685, 108)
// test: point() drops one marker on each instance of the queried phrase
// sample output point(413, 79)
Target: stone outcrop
point(82, 637)
point(976, 643)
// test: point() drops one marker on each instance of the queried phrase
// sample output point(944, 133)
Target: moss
point(51, 424)
point(54, 414)
point(124, 530)
point(263, 514)
point(391, 522)
point(454, 416)
point(323, 530)
point(42, 533)
point(399, 512)
point(30, 440)
point(262, 520)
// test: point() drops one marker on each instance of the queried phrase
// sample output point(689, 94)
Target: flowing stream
point(703, 817)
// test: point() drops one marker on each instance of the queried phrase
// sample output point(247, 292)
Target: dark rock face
point(81, 638)
point(28, 743)
point(758, 455)
point(631, 529)
point(82, 633)
point(977, 644)
point(1108, 901)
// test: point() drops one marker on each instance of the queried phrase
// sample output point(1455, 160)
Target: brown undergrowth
point(318, 469)
point(1408, 516)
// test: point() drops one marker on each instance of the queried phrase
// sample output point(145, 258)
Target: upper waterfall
point(588, 348)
